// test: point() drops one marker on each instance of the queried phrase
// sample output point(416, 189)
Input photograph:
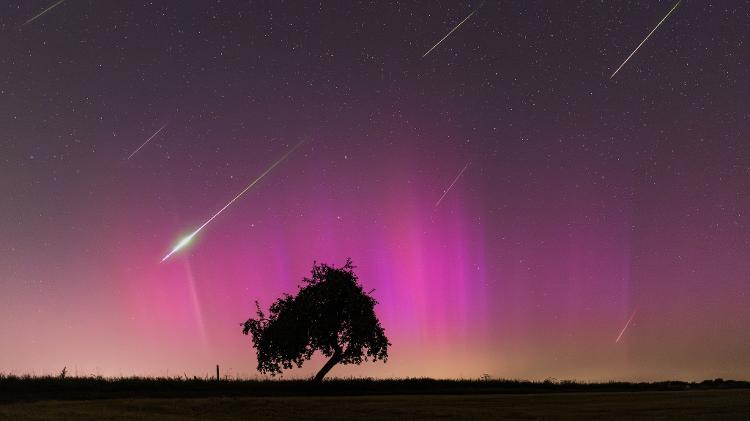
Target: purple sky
point(585, 199)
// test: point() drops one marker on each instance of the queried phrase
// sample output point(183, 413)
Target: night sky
point(577, 202)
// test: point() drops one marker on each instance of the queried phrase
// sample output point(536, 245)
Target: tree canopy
point(331, 313)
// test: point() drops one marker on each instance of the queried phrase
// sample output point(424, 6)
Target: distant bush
point(25, 387)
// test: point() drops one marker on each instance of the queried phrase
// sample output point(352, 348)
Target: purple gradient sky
point(585, 199)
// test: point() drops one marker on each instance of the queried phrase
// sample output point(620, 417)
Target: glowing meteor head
point(185, 241)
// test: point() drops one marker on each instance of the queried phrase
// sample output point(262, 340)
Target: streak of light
point(452, 30)
point(647, 37)
point(147, 140)
point(626, 327)
point(41, 13)
point(186, 240)
point(460, 173)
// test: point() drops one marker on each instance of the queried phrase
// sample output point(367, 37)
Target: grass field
point(702, 404)
point(135, 398)
point(30, 388)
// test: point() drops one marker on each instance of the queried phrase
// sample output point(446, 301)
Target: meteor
point(454, 28)
point(186, 240)
point(452, 183)
point(626, 326)
point(40, 14)
point(647, 37)
point(147, 140)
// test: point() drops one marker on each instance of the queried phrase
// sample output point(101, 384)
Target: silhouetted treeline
point(24, 388)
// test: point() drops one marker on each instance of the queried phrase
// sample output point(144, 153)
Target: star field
point(582, 201)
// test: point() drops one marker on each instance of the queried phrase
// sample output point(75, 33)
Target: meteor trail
point(147, 140)
point(626, 326)
point(40, 14)
point(452, 183)
point(187, 239)
point(647, 37)
point(454, 28)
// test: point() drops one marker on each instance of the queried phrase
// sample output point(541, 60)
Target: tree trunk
point(335, 358)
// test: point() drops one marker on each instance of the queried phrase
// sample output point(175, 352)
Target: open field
point(29, 388)
point(94, 398)
point(704, 404)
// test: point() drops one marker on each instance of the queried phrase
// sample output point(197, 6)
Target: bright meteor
point(185, 241)
point(460, 173)
point(452, 30)
point(647, 37)
point(626, 327)
point(147, 140)
point(40, 14)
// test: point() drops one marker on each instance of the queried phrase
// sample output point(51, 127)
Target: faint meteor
point(40, 14)
point(626, 327)
point(460, 173)
point(647, 37)
point(147, 140)
point(452, 30)
point(185, 241)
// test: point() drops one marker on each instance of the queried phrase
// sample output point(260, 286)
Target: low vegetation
point(29, 388)
point(644, 405)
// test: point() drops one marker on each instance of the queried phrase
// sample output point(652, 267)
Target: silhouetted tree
point(331, 313)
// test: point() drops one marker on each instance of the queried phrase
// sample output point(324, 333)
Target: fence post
point(217, 372)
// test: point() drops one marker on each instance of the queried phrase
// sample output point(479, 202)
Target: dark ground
point(26, 388)
point(702, 404)
point(91, 398)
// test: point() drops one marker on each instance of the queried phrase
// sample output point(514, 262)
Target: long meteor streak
point(187, 239)
point(626, 327)
point(460, 173)
point(452, 30)
point(647, 37)
point(147, 140)
point(41, 13)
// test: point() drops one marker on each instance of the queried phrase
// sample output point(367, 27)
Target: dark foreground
point(28, 388)
point(700, 404)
